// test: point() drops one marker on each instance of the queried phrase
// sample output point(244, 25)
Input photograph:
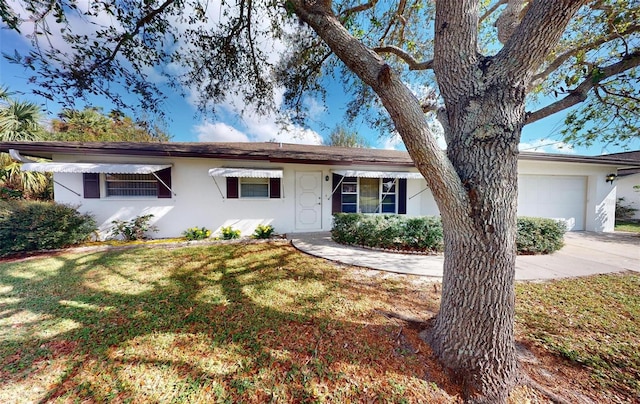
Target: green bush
point(263, 231)
point(538, 235)
point(624, 210)
point(398, 232)
point(134, 229)
point(388, 231)
point(31, 226)
point(229, 233)
point(196, 233)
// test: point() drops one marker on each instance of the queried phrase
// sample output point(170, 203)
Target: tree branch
point(399, 15)
point(403, 106)
point(580, 93)
point(128, 35)
point(359, 8)
point(455, 49)
point(535, 37)
point(491, 10)
point(557, 62)
point(405, 56)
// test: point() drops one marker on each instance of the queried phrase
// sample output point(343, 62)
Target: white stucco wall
point(597, 203)
point(624, 189)
point(198, 202)
point(600, 195)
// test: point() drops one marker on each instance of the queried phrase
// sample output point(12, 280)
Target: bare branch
point(359, 8)
point(580, 93)
point(491, 10)
point(574, 51)
point(535, 37)
point(398, 15)
point(405, 56)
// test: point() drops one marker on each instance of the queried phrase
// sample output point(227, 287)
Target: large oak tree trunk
point(475, 183)
point(473, 333)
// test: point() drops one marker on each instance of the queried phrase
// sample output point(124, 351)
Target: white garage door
point(556, 197)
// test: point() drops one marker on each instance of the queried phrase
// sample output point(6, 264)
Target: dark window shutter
point(336, 199)
point(402, 196)
point(91, 185)
point(274, 188)
point(232, 187)
point(165, 176)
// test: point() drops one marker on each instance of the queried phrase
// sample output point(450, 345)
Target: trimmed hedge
point(31, 226)
point(537, 235)
point(396, 232)
point(424, 233)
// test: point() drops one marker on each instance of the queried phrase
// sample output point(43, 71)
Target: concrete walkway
point(584, 254)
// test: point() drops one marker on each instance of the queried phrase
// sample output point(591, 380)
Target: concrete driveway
point(584, 254)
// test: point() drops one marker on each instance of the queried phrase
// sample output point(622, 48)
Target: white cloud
point(392, 142)
point(218, 132)
point(256, 131)
point(545, 145)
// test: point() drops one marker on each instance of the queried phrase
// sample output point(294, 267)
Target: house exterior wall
point(600, 195)
point(199, 202)
point(625, 189)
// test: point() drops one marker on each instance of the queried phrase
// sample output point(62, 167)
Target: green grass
point(227, 323)
point(261, 322)
point(593, 322)
point(633, 227)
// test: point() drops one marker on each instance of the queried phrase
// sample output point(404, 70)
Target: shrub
point(423, 233)
point(229, 233)
point(388, 231)
point(538, 235)
point(535, 235)
point(134, 229)
point(196, 233)
point(624, 211)
point(263, 231)
point(30, 226)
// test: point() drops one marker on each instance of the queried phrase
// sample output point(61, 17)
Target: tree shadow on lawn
point(253, 322)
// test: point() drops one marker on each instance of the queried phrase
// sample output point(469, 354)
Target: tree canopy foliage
point(208, 50)
point(20, 120)
point(343, 137)
point(90, 125)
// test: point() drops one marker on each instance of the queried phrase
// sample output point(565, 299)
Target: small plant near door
point(134, 229)
point(196, 233)
point(229, 233)
point(263, 231)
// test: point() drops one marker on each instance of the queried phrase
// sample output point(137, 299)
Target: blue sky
point(185, 125)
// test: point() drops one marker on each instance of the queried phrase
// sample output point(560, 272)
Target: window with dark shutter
point(402, 196)
point(91, 185)
point(165, 176)
point(232, 187)
point(274, 188)
point(336, 199)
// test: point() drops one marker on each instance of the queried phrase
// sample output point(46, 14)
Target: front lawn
point(633, 227)
point(261, 322)
point(255, 322)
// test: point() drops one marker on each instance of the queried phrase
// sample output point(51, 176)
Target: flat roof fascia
point(272, 152)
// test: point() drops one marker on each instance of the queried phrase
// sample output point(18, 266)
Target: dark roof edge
point(290, 153)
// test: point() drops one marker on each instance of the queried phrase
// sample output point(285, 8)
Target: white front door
point(309, 200)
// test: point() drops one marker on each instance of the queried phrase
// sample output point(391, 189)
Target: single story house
point(628, 181)
point(295, 188)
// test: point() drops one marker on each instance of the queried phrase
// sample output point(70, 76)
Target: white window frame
point(254, 181)
point(381, 194)
point(150, 179)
